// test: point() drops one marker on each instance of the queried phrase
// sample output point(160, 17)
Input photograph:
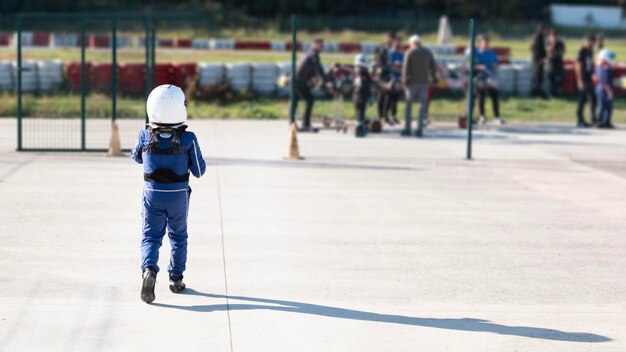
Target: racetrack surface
point(375, 244)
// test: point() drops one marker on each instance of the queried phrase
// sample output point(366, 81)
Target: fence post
point(147, 62)
point(153, 54)
point(292, 106)
point(470, 91)
point(113, 69)
point(18, 23)
point(83, 85)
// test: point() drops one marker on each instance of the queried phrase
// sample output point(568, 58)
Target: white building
point(605, 17)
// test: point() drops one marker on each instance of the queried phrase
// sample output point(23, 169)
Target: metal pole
point(113, 69)
point(153, 54)
point(292, 106)
point(147, 64)
point(18, 23)
point(83, 84)
point(470, 91)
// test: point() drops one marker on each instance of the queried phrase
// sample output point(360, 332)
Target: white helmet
point(167, 105)
point(606, 55)
point(362, 60)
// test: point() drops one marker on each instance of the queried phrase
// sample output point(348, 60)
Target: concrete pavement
point(379, 244)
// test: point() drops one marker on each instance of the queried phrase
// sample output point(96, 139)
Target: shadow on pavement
point(462, 324)
point(299, 164)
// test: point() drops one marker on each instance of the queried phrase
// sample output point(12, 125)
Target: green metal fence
point(82, 132)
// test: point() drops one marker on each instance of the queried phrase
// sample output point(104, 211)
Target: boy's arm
point(136, 153)
point(198, 166)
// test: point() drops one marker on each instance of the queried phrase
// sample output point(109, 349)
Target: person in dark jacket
point(309, 69)
point(584, 81)
point(383, 75)
point(362, 92)
point(538, 49)
point(556, 52)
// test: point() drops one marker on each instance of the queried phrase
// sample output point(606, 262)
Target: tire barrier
point(211, 74)
point(184, 43)
point(221, 44)
point(164, 74)
point(184, 74)
point(507, 78)
point(260, 78)
point(132, 78)
point(50, 75)
point(65, 40)
point(264, 78)
point(523, 77)
point(29, 75)
point(73, 75)
point(101, 77)
point(284, 70)
point(6, 76)
point(99, 41)
point(165, 43)
point(238, 76)
point(5, 39)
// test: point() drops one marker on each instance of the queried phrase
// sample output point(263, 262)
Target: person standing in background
point(362, 91)
point(418, 71)
point(383, 75)
point(396, 57)
point(538, 49)
point(308, 70)
point(556, 52)
point(584, 81)
point(486, 80)
point(604, 89)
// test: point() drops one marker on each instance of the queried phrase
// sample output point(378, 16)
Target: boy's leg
point(177, 209)
point(153, 230)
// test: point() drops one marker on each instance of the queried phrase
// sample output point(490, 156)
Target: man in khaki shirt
point(418, 71)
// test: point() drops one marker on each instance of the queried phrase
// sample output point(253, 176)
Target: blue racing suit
point(167, 155)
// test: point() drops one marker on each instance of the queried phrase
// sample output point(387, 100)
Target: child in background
point(362, 92)
point(604, 88)
point(168, 153)
point(396, 57)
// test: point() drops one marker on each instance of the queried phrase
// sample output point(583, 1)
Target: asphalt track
point(375, 244)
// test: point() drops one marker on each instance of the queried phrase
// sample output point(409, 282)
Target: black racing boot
point(176, 283)
point(147, 288)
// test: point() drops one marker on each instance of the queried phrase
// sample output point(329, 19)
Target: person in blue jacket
point(604, 88)
point(168, 153)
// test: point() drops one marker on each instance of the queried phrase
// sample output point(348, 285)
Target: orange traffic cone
point(294, 151)
point(115, 145)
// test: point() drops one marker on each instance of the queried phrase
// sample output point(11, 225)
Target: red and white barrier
point(252, 45)
point(222, 44)
point(183, 43)
point(5, 39)
point(278, 45)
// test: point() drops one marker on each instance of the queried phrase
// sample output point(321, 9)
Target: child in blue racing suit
point(169, 153)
